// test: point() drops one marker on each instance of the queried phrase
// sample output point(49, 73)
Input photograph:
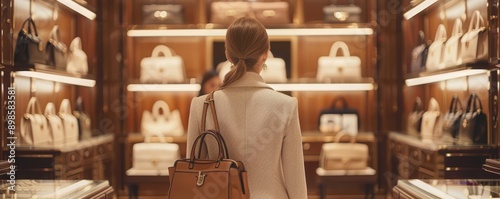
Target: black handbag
point(419, 54)
point(56, 50)
point(339, 118)
point(451, 120)
point(162, 14)
point(415, 117)
point(29, 47)
point(84, 123)
point(474, 123)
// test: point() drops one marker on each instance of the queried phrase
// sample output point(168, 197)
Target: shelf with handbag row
point(44, 72)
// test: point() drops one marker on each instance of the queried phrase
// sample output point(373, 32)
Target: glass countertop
point(452, 188)
point(45, 189)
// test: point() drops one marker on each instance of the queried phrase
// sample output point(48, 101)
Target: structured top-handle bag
point(193, 176)
point(166, 69)
point(474, 123)
point(431, 121)
point(56, 50)
point(70, 123)
point(339, 118)
point(419, 54)
point(336, 13)
point(55, 124)
point(415, 117)
point(84, 123)
point(338, 67)
point(29, 47)
point(475, 41)
point(435, 59)
point(344, 156)
point(161, 120)
point(452, 54)
point(225, 12)
point(77, 58)
point(451, 120)
point(270, 13)
point(162, 14)
point(275, 71)
point(153, 155)
point(34, 128)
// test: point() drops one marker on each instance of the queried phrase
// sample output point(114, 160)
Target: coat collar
point(250, 80)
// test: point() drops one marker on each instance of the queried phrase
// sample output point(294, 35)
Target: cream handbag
point(271, 12)
point(70, 123)
point(431, 121)
point(161, 120)
point(166, 69)
point(55, 124)
point(343, 156)
point(275, 71)
point(452, 54)
point(475, 40)
point(77, 59)
point(341, 67)
point(34, 127)
point(154, 156)
point(435, 59)
point(225, 12)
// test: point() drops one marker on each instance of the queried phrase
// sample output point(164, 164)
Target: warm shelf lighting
point(78, 8)
point(443, 76)
point(270, 32)
point(418, 8)
point(323, 87)
point(57, 78)
point(163, 87)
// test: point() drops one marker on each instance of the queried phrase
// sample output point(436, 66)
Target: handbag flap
point(353, 151)
point(156, 151)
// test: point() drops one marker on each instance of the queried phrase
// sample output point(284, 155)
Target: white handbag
point(154, 156)
point(166, 69)
point(431, 121)
point(435, 59)
point(161, 120)
point(452, 54)
point(77, 59)
point(344, 156)
point(34, 127)
point(70, 123)
point(475, 40)
point(275, 71)
point(343, 67)
point(55, 124)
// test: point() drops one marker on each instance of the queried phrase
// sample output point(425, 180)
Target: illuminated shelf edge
point(271, 32)
point(277, 87)
point(78, 8)
point(443, 76)
point(163, 87)
point(418, 8)
point(57, 78)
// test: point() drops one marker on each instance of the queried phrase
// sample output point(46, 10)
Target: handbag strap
point(55, 33)
point(455, 105)
point(167, 52)
point(440, 33)
point(33, 106)
point(478, 19)
point(160, 105)
point(472, 103)
point(209, 102)
point(50, 109)
point(339, 45)
point(341, 100)
point(418, 105)
point(30, 23)
point(457, 28)
point(65, 107)
point(341, 134)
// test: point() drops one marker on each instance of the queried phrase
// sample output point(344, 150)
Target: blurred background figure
point(210, 82)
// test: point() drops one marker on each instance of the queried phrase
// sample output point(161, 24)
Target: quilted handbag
point(56, 50)
point(341, 67)
point(84, 123)
point(451, 120)
point(431, 121)
point(271, 12)
point(161, 120)
point(343, 156)
point(337, 119)
point(415, 117)
point(34, 128)
point(55, 124)
point(475, 40)
point(29, 47)
point(193, 176)
point(153, 155)
point(275, 71)
point(77, 58)
point(452, 54)
point(225, 12)
point(336, 13)
point(166, 69)
point(419, 54)
point(435, 59)
point(162, 14)
point(474, 123)
point(70, 123)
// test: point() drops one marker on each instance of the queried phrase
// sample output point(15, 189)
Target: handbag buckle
point(341, 16)
point(200, 179)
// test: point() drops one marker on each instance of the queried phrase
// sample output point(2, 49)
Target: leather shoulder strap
point(209, 102)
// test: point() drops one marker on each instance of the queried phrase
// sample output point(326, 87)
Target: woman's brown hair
point(246, 42)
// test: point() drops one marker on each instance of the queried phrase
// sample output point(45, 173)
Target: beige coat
point(261, 128)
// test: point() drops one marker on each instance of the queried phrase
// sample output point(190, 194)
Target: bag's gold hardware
point(464, 123)
point(201, 179)
point(40, 46)
point(341, 16)
point(268, 13)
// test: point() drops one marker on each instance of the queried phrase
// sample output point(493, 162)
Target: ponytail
point(235, 73)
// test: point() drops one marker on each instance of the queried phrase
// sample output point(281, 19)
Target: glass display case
point(456, 189)
point(55, 189)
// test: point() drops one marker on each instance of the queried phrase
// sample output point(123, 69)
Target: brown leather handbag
point(221, 178)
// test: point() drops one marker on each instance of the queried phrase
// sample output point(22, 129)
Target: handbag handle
point(455, 104)
point(339, 45)
point(210, 102)
point(433, 105)
point(160, 105)
point(55, 33)
point(50, 109)
point(341, 100)
point(167, 52)
point(76, 43)
point(478, 19)
point(30, 23)
point(341, 134)
point(440, 33)
point(457, 28)
point(200, 137)
point(32, 105)
point(418, 105)
point(472, 103)
point(65, 107)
